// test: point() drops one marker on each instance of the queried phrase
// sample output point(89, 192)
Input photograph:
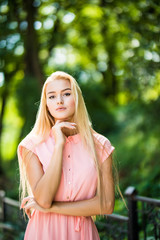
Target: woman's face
point(60, 101)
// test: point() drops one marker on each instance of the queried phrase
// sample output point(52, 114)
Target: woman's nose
point(59, 100)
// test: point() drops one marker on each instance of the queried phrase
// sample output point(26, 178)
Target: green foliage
point(101, 116)
point(137, 143)
point(28, 96)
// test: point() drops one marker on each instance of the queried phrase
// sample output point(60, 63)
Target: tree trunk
point(33, 67)
point(4, 100)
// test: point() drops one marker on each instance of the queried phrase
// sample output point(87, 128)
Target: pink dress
point(78, 182)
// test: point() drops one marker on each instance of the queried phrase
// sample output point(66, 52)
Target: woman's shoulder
point(35, 141)
point(101, 139)
point(30, 141)
point(103, 146)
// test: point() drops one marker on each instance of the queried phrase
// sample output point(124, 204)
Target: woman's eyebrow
point(61, 91)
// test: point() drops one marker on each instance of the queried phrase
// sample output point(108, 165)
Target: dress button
point(69, 169)
point(68, 156)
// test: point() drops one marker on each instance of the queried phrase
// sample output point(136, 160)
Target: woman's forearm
point(84, 208)
point(48, 184)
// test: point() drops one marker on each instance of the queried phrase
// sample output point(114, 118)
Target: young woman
point(65, 167)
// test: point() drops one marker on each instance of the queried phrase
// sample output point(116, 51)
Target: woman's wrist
point(59, 144)
point(46, 210)
point(54, 208)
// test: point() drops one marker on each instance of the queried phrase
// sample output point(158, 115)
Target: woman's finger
point(26, 199)
point(68, 125)
point(29, 205)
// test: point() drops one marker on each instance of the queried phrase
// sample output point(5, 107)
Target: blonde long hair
point(45, 121)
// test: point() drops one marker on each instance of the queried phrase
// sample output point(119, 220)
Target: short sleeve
point(27, 143)
point(104, 147)
point(107, 150)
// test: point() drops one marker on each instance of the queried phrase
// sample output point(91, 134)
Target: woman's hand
point(60, 128)
point(29, 203)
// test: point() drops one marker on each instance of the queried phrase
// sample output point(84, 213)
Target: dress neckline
point(73, 138)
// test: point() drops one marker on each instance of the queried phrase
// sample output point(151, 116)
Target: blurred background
point(112, 48)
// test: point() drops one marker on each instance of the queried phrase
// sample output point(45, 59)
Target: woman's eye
point(67, 94)
point(51, 97)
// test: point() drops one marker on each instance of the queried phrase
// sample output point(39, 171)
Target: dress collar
point(74, 138)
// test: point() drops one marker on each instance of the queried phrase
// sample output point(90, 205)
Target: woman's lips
point(60, 109)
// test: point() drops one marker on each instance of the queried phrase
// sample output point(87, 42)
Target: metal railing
point(12, 223)
point(142, 222)
point(144, 215)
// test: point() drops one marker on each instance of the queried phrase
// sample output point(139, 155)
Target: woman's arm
point(44, 185)
point(85, 207)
